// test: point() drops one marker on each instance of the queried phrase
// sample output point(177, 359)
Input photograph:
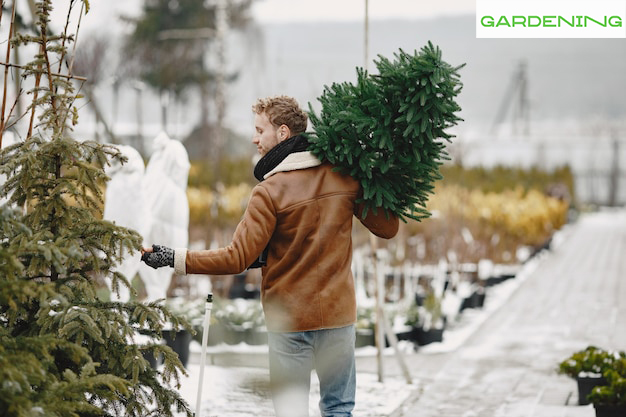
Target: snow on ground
point(243, 392)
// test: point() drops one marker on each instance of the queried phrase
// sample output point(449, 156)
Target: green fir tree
point(63, 350)
point(389, 129)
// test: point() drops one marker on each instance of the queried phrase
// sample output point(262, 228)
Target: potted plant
point(242, 321)
point(610, 400)
point(365, 325)
point(587, 367)
point(413, 321)
point(433, 322)
point(179, 339)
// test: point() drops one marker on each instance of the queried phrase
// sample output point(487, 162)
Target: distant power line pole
point(615, 171)
point(516, 95)
point(521, 116)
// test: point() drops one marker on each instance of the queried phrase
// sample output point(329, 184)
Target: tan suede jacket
point(304, 210)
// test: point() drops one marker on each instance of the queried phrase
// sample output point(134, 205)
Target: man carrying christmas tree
point(297, 226)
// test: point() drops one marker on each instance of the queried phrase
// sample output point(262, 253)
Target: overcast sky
point(104, 15)
point(300, 10)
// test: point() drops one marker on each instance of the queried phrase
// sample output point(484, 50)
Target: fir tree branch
point(68, 76)
point(35, 94)
point(10, 125)
point(43, 28)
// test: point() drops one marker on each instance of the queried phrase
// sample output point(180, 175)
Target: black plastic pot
point(365, 337)
point(585, 385)
point(610, 410)
point(179, 342)
point(151, 359)
point(410, 335)
point(480, 298)
point(426, 337)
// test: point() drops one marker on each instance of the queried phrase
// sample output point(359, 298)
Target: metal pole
point(383, 327)
point(393, 341)
point(208, 305)
point(379, 327)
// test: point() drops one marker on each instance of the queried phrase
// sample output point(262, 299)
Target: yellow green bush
point(476, 224)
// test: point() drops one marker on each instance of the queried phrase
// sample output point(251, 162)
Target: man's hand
point(158, 256)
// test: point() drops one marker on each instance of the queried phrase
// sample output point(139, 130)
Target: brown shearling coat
point(305, 214)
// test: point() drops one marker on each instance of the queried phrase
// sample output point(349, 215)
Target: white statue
point(125, 204)
point(165, 185)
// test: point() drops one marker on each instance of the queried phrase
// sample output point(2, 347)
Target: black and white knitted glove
point(160, 256)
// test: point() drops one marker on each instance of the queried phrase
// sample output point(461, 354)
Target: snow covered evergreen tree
point(63, 350)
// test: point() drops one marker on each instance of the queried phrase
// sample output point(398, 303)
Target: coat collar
point(295, 161)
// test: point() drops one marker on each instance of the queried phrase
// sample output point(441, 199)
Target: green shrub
point(591, 360)
point(614, 393)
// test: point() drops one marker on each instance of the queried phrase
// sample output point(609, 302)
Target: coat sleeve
point(250, 238)
point(382, 223)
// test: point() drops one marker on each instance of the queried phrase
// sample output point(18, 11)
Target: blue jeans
point(292, 358)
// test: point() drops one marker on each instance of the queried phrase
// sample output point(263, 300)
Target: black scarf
point(275, 156)
point(278, 153)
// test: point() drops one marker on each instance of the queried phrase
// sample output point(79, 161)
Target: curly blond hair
point(283, 110)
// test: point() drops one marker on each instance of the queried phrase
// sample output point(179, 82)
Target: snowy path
point(508, 367)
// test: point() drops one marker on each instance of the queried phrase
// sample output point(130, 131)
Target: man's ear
point(284, 132)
